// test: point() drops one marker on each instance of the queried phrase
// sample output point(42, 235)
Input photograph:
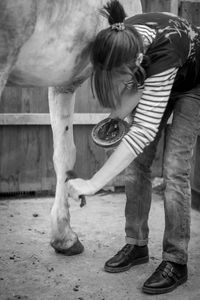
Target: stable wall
point(26, 150)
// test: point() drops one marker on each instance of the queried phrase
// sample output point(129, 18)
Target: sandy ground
point(30, 269)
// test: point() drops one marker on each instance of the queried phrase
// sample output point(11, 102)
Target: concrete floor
point(30, 269)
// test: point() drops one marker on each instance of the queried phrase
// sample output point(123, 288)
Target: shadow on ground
point(30, 269)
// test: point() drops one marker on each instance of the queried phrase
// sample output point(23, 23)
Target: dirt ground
point(30, 269)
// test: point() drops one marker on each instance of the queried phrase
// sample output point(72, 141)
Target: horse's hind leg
point(61, 105)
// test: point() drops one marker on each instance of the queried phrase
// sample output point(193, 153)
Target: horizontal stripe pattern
point(147, 33)
point(150, 110)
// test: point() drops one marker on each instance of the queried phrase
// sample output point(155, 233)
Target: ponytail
point(114, 12)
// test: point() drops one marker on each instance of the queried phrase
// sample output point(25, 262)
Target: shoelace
point(124, 250)
point(166, 268)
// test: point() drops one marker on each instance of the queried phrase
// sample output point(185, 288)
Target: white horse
point(47, 43)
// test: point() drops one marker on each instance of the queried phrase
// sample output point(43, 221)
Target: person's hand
point(78, 186)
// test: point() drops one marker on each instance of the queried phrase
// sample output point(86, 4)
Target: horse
point(47, 43)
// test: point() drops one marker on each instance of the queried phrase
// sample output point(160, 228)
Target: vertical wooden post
point(195, 176)
point(174, 6)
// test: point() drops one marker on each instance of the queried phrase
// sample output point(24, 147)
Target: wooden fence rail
point(44, 118)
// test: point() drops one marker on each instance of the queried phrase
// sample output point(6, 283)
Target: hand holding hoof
point(79, 188)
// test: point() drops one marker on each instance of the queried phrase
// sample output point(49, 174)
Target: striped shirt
point(153, 102)
point(148, 34)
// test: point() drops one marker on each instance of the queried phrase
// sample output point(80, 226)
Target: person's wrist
point(96, 186)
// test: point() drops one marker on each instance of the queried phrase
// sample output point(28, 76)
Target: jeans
point(176, 172)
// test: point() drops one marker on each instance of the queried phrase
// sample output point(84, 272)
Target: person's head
point(116, 54)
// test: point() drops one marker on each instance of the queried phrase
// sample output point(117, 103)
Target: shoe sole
point(138, 261)
point(154, 291)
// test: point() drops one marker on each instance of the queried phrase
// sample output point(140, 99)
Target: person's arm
point(150, 110)
point(147, 119)
point(116, 163)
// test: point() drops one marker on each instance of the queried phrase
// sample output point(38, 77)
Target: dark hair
point(115, 51)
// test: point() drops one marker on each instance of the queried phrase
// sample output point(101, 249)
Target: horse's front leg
point(61, 105)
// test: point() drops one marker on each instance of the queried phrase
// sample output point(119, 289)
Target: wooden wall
point(26, 150)
point(155, 5)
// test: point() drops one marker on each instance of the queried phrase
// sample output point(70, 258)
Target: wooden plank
point(89, 157)
point(26, 154)
point(197, 1)
point(174, 6)
point(190, 11)
point(85, 101)
point(44, 119)
point(195, 174)
point(35, 100)
point(26, 162)
point(24, 100)
point(155, 5)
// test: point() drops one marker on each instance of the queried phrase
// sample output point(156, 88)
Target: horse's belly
point(57, 50)
point(47, 63)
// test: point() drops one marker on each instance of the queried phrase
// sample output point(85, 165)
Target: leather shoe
point(128, 256)
point(166, 278)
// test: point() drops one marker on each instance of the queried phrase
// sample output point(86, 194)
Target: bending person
point(147, 66)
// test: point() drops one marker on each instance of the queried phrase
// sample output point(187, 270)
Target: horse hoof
point(75, 249)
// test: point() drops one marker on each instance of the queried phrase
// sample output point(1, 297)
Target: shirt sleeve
point(150, 110)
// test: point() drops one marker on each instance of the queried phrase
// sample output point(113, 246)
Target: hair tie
point(118, 26)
